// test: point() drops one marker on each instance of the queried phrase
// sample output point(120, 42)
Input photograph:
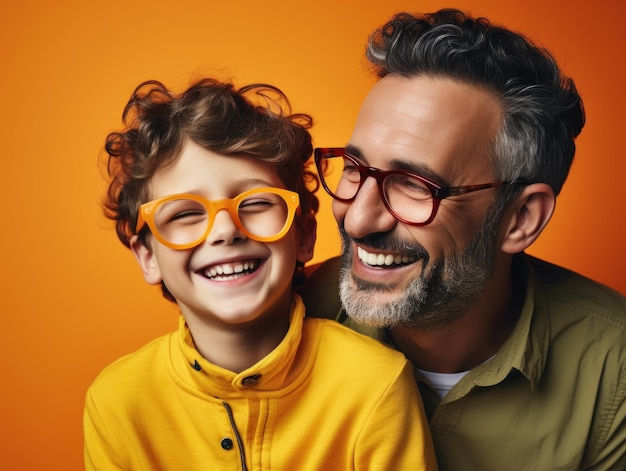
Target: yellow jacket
point(326, 398)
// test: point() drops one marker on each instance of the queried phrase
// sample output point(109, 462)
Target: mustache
point(385, 242)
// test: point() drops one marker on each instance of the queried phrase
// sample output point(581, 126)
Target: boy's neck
point(236, 347)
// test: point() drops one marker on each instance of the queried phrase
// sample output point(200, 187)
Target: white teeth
point(372, 259)
point(228, 269)
point(384, 259)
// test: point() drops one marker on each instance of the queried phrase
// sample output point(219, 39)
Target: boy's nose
point(224, 229)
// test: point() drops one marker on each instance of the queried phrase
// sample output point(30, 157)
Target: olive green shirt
point(552, 398)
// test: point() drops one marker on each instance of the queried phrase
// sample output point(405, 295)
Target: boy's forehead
point(211, 174)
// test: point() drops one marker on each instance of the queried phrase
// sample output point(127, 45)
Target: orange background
point(73, 298)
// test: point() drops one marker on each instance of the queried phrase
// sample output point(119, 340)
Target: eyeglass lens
point(407, 197)
point(185, 221)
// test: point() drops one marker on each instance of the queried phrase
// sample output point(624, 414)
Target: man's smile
point(385, 260)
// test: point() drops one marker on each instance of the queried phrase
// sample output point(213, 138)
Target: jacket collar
point(270, 376)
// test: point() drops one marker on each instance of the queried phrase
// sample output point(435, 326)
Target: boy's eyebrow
point(245, 183)
point(397, 164)
point(260, 181)
point(251, 183)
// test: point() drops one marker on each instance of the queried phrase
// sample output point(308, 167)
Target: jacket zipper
point(242, 455)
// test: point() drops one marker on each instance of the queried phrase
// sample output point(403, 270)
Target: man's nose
point(367, 214)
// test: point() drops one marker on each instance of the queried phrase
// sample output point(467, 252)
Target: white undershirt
point(443, 382)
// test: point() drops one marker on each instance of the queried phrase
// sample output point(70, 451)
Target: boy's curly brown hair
point(253, 121)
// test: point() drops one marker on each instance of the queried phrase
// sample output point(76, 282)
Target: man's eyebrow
point(354, 151)
point(398, 164)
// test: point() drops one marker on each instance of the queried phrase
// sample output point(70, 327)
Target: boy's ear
point(307, 234)
point(527, 216)
point(147, 261)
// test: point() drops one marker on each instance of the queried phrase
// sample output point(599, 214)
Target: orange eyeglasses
point(183, 221)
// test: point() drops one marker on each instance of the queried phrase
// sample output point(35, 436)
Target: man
point(452, 171)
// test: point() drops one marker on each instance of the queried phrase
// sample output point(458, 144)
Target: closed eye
point(256, 205)
point(187, 217)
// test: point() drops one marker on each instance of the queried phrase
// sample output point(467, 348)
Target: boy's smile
point(229, 271)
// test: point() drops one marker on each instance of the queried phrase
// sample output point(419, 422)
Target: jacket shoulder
point(132, 370)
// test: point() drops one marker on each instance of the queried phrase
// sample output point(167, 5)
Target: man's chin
point(387, 283)
point(373, 304)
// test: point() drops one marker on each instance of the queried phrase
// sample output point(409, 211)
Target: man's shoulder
point(319, 289)
point(571, 291)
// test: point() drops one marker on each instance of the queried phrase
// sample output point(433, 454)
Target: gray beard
point(442, 293)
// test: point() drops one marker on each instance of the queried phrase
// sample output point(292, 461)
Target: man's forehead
point(428, 123)
point(439, 97)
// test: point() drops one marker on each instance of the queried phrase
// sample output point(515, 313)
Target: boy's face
point(201, 278)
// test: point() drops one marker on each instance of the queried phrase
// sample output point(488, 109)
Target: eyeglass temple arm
point(441, 193)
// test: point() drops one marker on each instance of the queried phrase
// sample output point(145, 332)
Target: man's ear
point(147, 261)
point(307, 234)
point(527, 216)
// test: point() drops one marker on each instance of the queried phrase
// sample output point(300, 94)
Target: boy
point(204, 188)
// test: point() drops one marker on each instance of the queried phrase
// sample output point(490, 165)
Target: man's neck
point(469, 341)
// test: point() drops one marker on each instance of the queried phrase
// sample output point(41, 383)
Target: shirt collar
point(526, 349)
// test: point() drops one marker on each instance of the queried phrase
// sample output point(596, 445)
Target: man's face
point(397, 274)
